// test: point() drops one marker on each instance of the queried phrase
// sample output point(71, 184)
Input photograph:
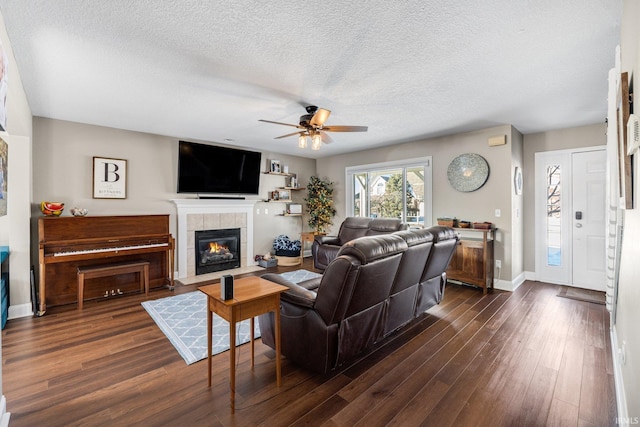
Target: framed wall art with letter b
point(109, 178)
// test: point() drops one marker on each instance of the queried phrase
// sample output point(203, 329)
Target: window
point(391, 190)
point(554, 217)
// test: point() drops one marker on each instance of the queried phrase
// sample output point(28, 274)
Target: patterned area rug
point(183, 319)
point(298, 276)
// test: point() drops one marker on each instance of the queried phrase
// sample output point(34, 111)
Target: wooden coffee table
point(252, 296)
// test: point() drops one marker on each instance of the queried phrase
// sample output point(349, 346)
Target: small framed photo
point(284, 195)
point(275, 166)
point(109, 178)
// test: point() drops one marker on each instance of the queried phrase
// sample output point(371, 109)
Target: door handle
point(578, 225)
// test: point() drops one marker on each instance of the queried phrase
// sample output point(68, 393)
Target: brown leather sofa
point(325, 248)
point(374, 286)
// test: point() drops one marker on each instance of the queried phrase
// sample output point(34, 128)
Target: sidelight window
point(554, 217)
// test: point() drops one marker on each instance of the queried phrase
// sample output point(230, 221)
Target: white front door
point(570, 217)
point(589, 219)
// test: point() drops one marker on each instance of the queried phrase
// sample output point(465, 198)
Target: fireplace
point(202, 214)
point(217, 250)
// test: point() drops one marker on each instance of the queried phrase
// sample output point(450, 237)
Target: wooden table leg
point(209, 337)
point(252, 338)
point(145, 273)
point(232, 360)
point(277, 312)
point(80, 290)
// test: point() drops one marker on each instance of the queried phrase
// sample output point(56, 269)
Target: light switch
point(498, 213)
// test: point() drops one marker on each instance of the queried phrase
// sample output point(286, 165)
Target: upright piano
point(67, 243)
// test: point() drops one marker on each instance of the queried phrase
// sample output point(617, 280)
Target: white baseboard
point(621, 398)
point(530, 275)
point(519, 280)
point(509, 285)
point(20, 310)
point(4, 415)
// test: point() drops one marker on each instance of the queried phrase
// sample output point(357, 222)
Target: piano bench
point(105, 270)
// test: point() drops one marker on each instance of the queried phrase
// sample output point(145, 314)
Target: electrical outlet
point(498, 263)
point(622, 351)
point(258, 211)
point(266, 211)
point(498, 213)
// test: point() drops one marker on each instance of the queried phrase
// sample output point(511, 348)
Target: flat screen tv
point(210, 169)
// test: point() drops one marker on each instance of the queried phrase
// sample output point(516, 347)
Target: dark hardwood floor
point(525, 358)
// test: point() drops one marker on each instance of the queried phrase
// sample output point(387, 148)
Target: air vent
point(633, 134)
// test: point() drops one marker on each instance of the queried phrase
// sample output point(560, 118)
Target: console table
point(252, 296)
point(472, 262)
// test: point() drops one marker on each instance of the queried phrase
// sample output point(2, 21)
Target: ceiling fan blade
point(320, 117)
point(345, 128)
point(280, 123)
point(326, 138)
point(287, 135)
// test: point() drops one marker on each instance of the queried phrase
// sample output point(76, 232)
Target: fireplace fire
point(217, 250)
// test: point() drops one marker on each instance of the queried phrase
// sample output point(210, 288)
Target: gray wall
point(14, 227)
point(62, 165)
point(563, 139)
point(627, 313)
point(517, 207)
point(479, 205)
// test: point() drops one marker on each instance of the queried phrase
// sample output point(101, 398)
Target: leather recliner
point(404, 292)
point(325, 248)
point(434, 278)
point(370, 289)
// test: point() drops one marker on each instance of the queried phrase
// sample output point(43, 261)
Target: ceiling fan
point(312, 125)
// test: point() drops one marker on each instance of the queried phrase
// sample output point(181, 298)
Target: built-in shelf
point(284, 193)
point(279, 200)
point(279, 173)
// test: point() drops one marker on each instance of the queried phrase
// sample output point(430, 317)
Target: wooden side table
point(252, 296)
point(472, 262)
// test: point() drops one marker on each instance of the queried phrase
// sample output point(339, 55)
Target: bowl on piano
point(51, 208)
point(79, 212)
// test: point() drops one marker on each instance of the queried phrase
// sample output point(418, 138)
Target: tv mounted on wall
point(210, 169)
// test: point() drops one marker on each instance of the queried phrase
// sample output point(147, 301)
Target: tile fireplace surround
point(204, 214)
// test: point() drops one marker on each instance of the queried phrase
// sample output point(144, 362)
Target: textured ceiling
point(409, 70)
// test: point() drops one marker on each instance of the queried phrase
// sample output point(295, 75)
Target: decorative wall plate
point(468, 172)
point(517, 180)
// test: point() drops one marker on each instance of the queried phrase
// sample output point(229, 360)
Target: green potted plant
point(319, 204)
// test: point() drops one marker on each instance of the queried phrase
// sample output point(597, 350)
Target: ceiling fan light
point(316, 140)
point(302, 141)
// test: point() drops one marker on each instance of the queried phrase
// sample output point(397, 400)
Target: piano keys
point(116, 249)
point(66, 243)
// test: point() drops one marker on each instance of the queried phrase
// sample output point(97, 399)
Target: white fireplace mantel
point(186, 207)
